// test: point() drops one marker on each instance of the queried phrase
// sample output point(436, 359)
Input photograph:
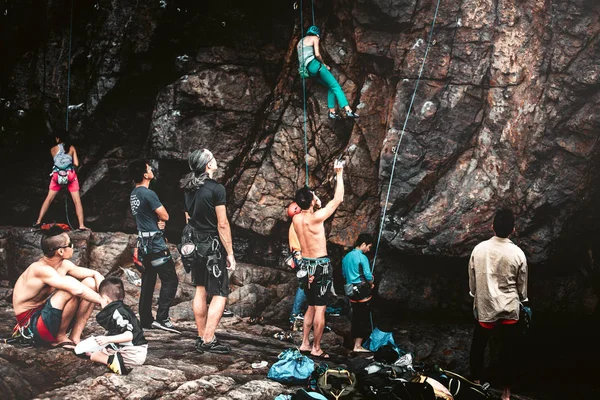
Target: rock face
point(505, 114)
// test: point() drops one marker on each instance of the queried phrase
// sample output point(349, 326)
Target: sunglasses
point(63, 247)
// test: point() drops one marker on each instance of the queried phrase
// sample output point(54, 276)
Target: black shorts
point(317, 292)
point(45, 323)
point(212, 275)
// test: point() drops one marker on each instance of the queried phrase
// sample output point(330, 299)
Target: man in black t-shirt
point(150, 216)
point(205, 212)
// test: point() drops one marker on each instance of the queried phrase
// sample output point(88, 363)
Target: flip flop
point(322, 356)
point(67, 344)
point(305, 352)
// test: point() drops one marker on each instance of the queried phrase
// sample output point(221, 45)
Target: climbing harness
point(385, 205)
point(212, 260)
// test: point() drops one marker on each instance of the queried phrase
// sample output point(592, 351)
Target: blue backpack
point(292, 367)
point(378, 339)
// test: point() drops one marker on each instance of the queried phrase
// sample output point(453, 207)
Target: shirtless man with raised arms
point(311, 234)
point(53, 292)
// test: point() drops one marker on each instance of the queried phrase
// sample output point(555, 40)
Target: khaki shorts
point(132, 355)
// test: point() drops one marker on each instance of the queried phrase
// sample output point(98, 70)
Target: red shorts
point(43, 322)
point(72, 186)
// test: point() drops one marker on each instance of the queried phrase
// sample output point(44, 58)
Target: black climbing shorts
point(318, 291)
point(211, 271)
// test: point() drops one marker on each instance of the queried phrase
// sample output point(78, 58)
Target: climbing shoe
point(36, 225)
point(351, 114)
point(216, 347)
point(165, 325)
point(333, 115)
point(115, 364)
point(199, 343)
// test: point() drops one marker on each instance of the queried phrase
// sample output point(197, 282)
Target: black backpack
point(460, 387)
point(337, 383)
point(379, 381)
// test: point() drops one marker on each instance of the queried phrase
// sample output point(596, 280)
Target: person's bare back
point(311, 234)
point(309, 223)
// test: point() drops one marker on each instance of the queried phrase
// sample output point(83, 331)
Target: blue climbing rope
point(412, 100)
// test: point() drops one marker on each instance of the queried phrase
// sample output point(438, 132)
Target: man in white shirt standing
point(498, 283)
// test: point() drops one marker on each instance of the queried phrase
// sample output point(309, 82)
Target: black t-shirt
point(117, 318)
point(200, 205)
point(144, 202)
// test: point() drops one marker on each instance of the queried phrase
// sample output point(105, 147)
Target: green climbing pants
point(334, 90)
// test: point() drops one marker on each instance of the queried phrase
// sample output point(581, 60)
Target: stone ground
point(174, 370)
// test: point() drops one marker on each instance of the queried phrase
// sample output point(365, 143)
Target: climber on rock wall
point(312, 65)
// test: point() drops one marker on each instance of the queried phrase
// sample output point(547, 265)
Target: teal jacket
point(351, 267)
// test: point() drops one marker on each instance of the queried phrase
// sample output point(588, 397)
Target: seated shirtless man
point(311, 235)
point(53, 294)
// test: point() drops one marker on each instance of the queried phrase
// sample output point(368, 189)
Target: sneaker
point(227, 313)
point(199, 343)
point(115, 364)
point(215, 347)
point(165, 325)
point(333, 115)
point(351, 114)
point(299, 317)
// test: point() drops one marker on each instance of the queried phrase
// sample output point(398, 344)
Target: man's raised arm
point(338, 197)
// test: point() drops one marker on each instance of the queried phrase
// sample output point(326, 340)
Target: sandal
point(322, 356)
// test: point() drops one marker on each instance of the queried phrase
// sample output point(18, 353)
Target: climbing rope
point(387, 197)
point(67, 211)
point(69, 67)
point(304, 93)
point(68, 97)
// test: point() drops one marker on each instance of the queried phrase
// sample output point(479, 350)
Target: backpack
point(388, 353)
point(460, 387)
point(304, 395)
point(336, 383)
point(379, 381)
point(62, 161)
point(187, 248)
point(378, 339)
point(440, 391)
point(292, 367)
